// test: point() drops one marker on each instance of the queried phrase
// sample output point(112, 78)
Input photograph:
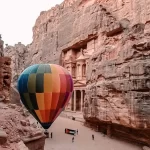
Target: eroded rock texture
point(118, 72)
point(5, 74)
point(136, 11)
point(1, 47)
point(118, 89)
point(19, 55)
point(5, 78)
point(15, 128)
point(118, 85)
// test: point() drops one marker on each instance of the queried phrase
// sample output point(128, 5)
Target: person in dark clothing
point(92, 136)
point(72, 139)
point(104, 133)
point(77, 131)
point(51, 135)
point(46, 133)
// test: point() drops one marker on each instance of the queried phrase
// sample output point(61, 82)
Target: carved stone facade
point(75, 60)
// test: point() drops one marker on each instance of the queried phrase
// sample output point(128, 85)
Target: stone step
point(21, 146)
point(3, 137)
point(146, 148)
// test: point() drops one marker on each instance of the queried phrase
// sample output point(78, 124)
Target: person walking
point(77, 131)
point(72, 139)
point(92, 136)
point(51, 135)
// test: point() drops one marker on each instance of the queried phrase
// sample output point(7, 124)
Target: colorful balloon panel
point(45, 90)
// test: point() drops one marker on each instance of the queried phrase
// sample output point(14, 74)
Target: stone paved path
point(83, 141)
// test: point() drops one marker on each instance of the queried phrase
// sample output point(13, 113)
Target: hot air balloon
point(45, 90)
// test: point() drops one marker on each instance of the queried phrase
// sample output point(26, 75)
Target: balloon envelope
point(45, 90)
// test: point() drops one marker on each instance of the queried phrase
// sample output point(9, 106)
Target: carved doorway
point(78, 100)
point(72, 102)
point(83, 99)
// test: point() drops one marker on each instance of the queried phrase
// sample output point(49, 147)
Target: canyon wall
point(5, 78)
point(136, 11)
point(5, 75)
point(118, 89)
point(19, 55)
point(17, 131)
point(117, 76)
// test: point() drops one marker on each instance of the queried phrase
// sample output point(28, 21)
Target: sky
point(17, 17)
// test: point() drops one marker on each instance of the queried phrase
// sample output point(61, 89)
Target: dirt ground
point(82, 141)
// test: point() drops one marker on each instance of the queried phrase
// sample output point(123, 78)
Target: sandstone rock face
point(21, 146)
point(118, 82)
point(5, 78)
point(14, 96)
point(3, 137)
point(16, 128)
point(14, 125)
point(136, 11)
point(36, 144)
point(18, 55)
point(1, 47)
point(118, 86)
point(118, 74)
point(146, 148)
point(62, 28)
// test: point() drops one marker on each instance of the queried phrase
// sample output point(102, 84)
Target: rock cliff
point(118, 86)
point(17, 131)
point(19, 55)
point(5, 78)
point(118, 90)
point(5, 75)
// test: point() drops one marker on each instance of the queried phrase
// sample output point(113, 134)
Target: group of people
point(72, 137)
point(77, 134)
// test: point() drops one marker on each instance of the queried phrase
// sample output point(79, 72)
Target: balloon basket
point(47, 134)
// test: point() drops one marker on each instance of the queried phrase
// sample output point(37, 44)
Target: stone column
point(81, 70)
point(77, 71)
point(109, 130)
point(87, 60)
point(70, 103)
point(74, 100)
point(81, 100)
point(82, 63)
